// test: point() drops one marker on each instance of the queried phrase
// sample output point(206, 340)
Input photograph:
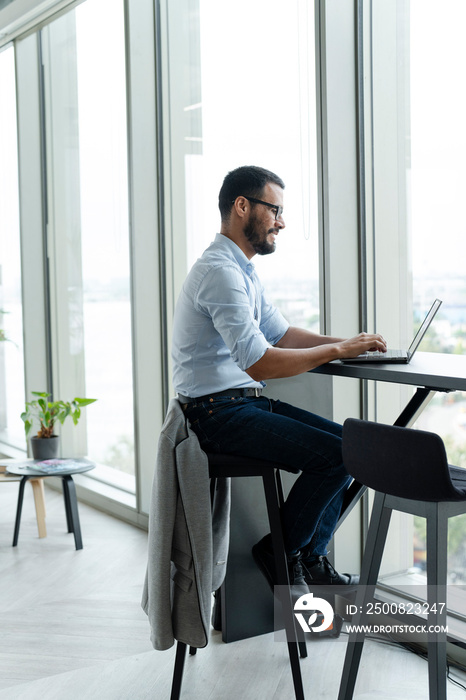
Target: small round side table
point(65, 473)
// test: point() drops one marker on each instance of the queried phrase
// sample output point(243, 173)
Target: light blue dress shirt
point(223, 323)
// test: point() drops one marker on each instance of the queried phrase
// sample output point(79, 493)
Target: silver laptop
point(400, 356)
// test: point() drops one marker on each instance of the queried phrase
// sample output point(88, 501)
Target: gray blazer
point(188, 541)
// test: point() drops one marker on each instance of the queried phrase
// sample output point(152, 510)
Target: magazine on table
point(53, 466)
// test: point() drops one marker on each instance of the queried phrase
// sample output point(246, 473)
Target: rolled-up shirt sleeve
point(238, 317)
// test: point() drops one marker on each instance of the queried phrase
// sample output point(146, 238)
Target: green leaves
point(84, 402)
point(48, 412)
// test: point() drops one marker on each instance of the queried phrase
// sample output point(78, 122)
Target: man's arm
point(301, 338)
point(300, 351)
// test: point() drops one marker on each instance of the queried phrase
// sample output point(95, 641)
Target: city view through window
point(277, 131)
point(438, 183)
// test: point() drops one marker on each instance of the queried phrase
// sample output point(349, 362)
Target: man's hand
point(363, 342)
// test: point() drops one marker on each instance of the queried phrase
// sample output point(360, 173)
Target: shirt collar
point(242, 260)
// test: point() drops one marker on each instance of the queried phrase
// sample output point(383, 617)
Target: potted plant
point(45, 444)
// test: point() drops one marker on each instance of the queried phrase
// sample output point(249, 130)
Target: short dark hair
point(248, 180)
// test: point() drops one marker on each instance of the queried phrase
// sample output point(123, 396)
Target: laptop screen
point(425, 325)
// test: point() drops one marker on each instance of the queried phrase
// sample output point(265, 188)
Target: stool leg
point(19, 509)
point(270, 488)
point(178, 670)
point(372, 559)
point(69, 492)
point(437, 550)
point(278, 479)
point(217, 607)
point(298, 631)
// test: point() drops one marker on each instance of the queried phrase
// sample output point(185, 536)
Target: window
point(84, 332)
point(11, 325)
point(239, 97)
point(417, 148)
point(88, 230)
point(438, 182)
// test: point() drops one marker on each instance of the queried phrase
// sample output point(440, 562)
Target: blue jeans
point(276, 431)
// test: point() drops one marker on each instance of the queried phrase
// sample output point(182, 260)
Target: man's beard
point(259, 241)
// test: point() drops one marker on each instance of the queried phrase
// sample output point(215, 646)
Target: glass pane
point(86, 103)
point(438, 183)
point(252, 104)
point(11, 325)
point(419, 149)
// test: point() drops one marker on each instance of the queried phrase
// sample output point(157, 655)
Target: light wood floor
point(71, 628)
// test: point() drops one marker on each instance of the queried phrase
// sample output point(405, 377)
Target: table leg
point(19, 509)
point(353, 495)
point(69, 491)
point(66, 498)
point(415, 407)
point(39, 502)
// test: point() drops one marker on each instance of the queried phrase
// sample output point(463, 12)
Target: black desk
point(436, 371)
point(429, 372)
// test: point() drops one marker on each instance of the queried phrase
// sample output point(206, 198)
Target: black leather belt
point(227, 393)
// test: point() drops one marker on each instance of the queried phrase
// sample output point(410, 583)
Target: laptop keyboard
point(388, 353)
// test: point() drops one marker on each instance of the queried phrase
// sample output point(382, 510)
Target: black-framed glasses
point(276, 208)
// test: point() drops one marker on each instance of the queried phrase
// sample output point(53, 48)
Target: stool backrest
point(398, 461)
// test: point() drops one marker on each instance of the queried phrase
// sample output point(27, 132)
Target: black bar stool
point(232, 466)
point(409, 471)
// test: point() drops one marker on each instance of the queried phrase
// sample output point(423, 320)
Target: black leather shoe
point(321, 572)
point(262, 553)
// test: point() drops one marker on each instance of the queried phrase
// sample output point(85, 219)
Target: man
point(227, 341)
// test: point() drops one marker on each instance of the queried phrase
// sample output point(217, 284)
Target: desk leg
point(39, 502)
point(415, 407)
point(353, 495)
